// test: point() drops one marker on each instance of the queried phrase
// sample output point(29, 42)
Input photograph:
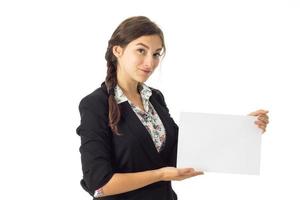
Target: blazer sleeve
point(96, 144)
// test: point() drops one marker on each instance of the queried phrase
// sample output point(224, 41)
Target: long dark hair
point(129, 30)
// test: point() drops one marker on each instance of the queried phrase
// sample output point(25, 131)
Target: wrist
point(159, 174)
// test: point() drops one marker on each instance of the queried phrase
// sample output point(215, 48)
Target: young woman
point(128, 138)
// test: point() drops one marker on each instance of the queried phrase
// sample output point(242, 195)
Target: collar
point(144, 91)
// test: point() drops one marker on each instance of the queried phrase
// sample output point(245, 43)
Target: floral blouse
point(149, 118)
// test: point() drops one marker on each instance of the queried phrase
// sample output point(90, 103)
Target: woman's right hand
point(177, 174)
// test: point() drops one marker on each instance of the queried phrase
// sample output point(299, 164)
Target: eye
point(157, 55)
point(141, 51)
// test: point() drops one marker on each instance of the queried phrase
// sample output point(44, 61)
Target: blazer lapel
point(137, 128)
point(168, 124)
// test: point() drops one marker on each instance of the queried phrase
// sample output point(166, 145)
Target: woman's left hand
point(262, 118)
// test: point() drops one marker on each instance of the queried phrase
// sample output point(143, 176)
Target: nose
point(149, 61)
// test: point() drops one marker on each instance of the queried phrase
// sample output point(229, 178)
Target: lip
point(145, 71)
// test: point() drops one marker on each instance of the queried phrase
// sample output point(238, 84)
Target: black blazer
point(104, 153)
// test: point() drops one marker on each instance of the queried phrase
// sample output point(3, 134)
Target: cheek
point(133, 60)
point(131, 65)
point(156, 63)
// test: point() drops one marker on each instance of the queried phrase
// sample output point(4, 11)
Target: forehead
point(152, 41)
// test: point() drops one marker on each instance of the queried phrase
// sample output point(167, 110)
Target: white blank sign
point(219, 143)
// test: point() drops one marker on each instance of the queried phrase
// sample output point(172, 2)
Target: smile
point(145, 71)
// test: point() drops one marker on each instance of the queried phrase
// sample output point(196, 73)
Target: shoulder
point(157, 94)
point(96, 100)
point(155, 91)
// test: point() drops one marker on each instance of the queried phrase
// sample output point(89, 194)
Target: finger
point(184, 171)
point(189, 176)
point(264, 116)
point(259, 112)
point(259, 123)
point(192, 172)
point(200, 172)
point(256, 113)
point(264, 119)
point(197, 173)
point(263, 128)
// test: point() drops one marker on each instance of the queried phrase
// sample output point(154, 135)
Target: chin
point(142, 79)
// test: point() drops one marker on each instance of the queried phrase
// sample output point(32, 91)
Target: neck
point(128, 86)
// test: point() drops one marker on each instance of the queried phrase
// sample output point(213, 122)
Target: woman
point(128, 138)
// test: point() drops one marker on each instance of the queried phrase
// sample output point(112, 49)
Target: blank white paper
point(219, 143)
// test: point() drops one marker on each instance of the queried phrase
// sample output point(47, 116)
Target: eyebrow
point(147, 46)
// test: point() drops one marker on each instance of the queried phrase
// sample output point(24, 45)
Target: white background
point(228, 57)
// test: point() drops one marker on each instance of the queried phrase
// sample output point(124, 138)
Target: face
point(138, 60)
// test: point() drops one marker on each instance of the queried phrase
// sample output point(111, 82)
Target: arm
point(95, 148)
point(96, 156)
point(125, 182)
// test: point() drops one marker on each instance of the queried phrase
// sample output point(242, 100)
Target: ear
point(117, 51)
